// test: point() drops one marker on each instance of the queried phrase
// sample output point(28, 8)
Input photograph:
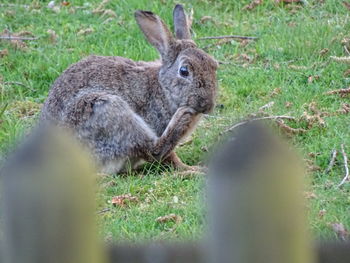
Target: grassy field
point(289, 65)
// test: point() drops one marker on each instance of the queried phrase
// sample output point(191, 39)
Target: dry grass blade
point(219, 43)
point(2, 111)
point(86, 31)
point(340, 230)
point(4, 53)
point(346, 50)
point(204, 19)
point(121, 200)
point(252, 5)
point(168, 218)
point(53, 36)
point(345, 109)
point(295, 67)
point(341, 59)
point(288, 129)
point(311, 166)
point(15, 83)
point(345, 158)
point(228, 36)
point(224, 62)
point(100, 10)
point(267, 106)
point(324, 51)
point(259, 119)
point(332, 161)
point(339, 91)
point(347, 5)
point(310, 195)
point(316, 116)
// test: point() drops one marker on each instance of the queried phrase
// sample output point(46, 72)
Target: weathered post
point(256, 208)
point(47, 210)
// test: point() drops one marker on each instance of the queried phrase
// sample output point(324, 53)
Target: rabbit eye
point(184, 71)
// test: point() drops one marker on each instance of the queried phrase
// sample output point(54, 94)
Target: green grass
point(288, 35)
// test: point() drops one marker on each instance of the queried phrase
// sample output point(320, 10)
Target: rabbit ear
point(155, 31)
point(182, 30)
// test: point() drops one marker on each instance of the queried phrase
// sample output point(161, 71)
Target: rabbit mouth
point(209, 108)
point(204, 106)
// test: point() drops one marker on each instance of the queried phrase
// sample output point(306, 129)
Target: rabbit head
point(187, 74)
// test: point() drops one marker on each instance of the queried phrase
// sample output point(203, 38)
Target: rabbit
point(130, 112)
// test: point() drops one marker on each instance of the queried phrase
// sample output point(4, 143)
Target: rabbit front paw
point(185, 110)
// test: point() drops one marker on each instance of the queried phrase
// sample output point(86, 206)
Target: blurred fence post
point(47, 210)
point(256, 210)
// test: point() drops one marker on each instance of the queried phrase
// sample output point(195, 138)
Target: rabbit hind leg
point(118, 137)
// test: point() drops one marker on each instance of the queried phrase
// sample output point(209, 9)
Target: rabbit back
point(134, 82)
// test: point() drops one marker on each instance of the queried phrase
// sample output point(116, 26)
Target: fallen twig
point(332, 161)
point(339, 91)
point(259, 119)
point(232, 64)
point(105, 210)
point(345, 158)
point(228, 36)
point(15, 5)
point(17, 38)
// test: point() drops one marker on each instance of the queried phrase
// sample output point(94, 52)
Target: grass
point(275, 68)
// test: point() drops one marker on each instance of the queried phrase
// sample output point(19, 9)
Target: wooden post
point(160, 253)
point(333, 252)
point(256, 209)
point(48, 202)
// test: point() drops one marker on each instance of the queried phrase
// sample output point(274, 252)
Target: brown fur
point(126, 110)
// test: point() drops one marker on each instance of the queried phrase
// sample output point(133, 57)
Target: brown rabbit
point(131, 112)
